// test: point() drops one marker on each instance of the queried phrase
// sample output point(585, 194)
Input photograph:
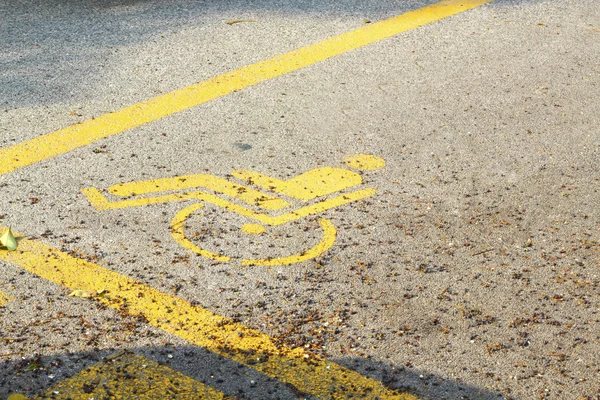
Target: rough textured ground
point(474, 273)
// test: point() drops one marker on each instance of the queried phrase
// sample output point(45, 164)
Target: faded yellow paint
point(103, 126)
point(178, 232)
point(329, 235)
point(308, 373)
point(178, 222)
point(129, 376)
point(253, 229)
point(364, 162)
point(315, 183)
point(317, 207)
point(5, 298)
point(17, 396)
point(307, 186)
point(210, 182)
point(101, 203)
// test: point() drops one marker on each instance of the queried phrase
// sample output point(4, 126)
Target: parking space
point(311, 375)
point(126, 375)
point(385, 211)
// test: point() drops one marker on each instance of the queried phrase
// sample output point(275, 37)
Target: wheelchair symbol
point(310, 193)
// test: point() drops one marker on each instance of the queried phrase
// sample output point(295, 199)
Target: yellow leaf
point(8, 240)
point(81, 293)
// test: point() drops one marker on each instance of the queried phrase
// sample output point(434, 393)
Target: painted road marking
point(307, 186)
point(327, 240)
point(76, 136)
point(209, 182)
point(126, 375)
point(308, 373)
point(249, 347)
point(101, 203)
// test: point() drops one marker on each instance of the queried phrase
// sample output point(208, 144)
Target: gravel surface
point(473, 273)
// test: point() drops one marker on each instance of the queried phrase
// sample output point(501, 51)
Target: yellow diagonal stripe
point(130, 376)
point(90, 131)
point(308, 373)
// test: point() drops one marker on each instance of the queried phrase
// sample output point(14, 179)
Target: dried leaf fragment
point(8, 240)
point(237, 21)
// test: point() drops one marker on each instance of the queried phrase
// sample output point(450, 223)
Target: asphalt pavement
point(254, 202)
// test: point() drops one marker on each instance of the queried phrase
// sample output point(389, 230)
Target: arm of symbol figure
point(307, 186)
point(198, 181)
point(292, 215)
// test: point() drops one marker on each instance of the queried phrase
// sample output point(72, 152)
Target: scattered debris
point(237, 21)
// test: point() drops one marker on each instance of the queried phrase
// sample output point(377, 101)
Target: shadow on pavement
point(40, 375)
point(69, 51)
point(55, 51)
point(419, 383)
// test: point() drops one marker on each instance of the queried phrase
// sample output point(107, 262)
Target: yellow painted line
point(5, 298)
point(90, 131)
point(178, 233)
point(130, 376)
point(317, 182)
point(253, 229)
point(307, 186)
point(214, 183)
point(329, 235)
point(318, 208)
point(101, 203)
point(252, 348)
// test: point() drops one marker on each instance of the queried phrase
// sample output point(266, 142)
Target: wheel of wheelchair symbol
point(224, 236)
